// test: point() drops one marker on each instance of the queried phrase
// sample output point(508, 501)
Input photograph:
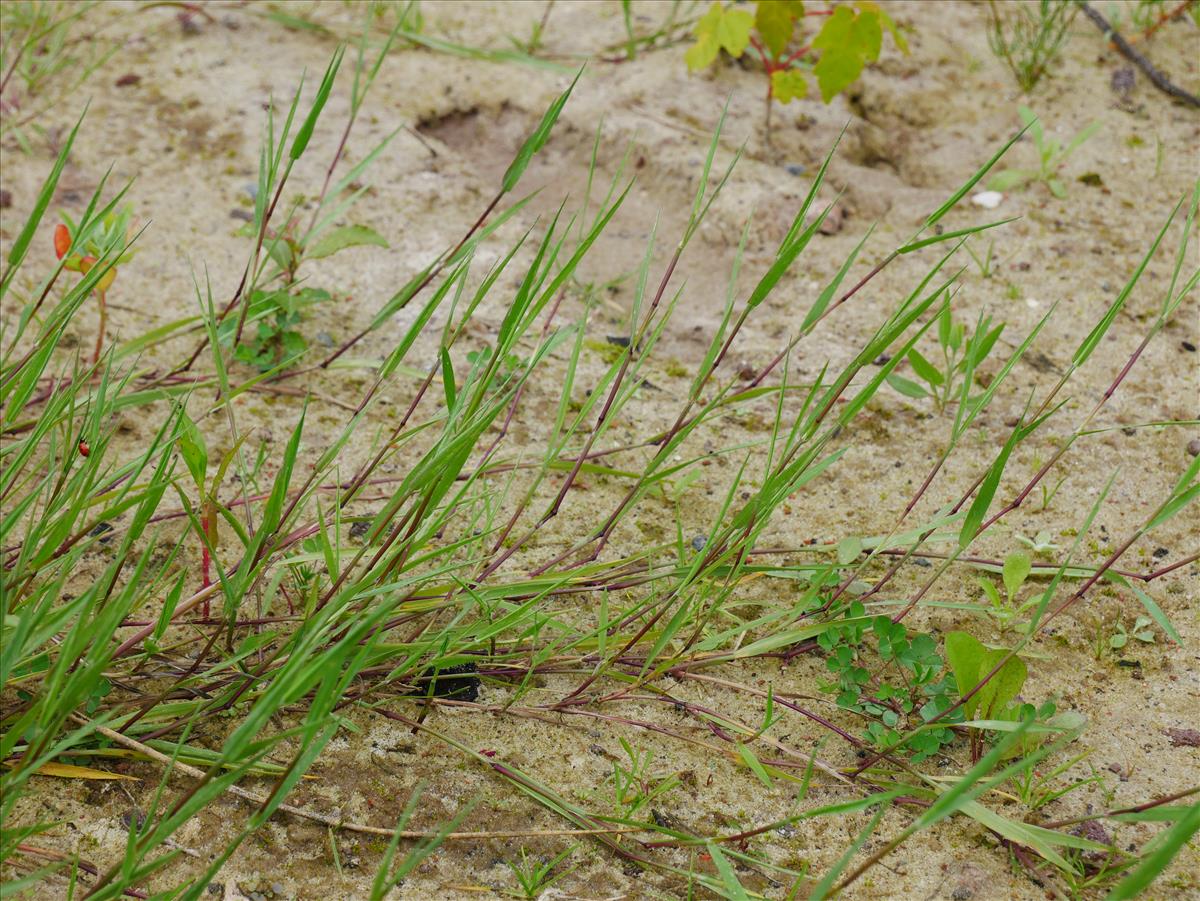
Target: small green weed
point(1141, 630)
point(1052, 156)
point(961, 358)
point(985, 263)
point(533, 873)
point(276, 340)
point(1042, 543)
point(634, 786)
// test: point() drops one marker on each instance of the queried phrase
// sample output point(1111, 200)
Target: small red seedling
point(110, 235)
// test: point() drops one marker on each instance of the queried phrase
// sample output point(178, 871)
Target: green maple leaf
point(775, 21)
point(788, 85)
point(719, 29)
point(847, 41)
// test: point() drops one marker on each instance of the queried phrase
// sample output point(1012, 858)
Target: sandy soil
point(916, 127)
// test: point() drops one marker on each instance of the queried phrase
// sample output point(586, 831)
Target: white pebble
point(989, 200)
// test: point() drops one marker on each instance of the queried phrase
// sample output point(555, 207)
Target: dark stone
point(102, 530)
point(456, 683)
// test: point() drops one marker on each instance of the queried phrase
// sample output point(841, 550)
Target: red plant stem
point(87, 867)
point(205, 562)
point(1138, 808)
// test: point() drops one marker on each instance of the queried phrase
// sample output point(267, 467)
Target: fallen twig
point(1126, 49)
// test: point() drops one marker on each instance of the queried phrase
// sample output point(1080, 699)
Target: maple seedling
point(109, 237)
point(850, 37)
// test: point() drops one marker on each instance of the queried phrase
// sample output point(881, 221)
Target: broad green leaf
point(1003, 687)
point(886, 21)
point(847, 41)
point(970, 661)
point(341, 238)
point(907, 387)
point(1016, 570)
point(733, 31)
point(774, 20)
point(924, 368)
point(848, 550)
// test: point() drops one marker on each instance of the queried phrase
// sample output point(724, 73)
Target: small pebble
point(277, 888)
point(989, 200)
point(1193, 447)
point(325, 339)
point(921, 561)
point(216, 889)
point(1160, 552)
point(244, 215)
point(698, 543)
point(5, 198)
point(795, 169)
point(128, 80)
point(1188, 346)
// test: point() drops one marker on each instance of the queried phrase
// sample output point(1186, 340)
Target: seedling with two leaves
point(961, 357)
point(1052, 156)
point(1141, 630)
